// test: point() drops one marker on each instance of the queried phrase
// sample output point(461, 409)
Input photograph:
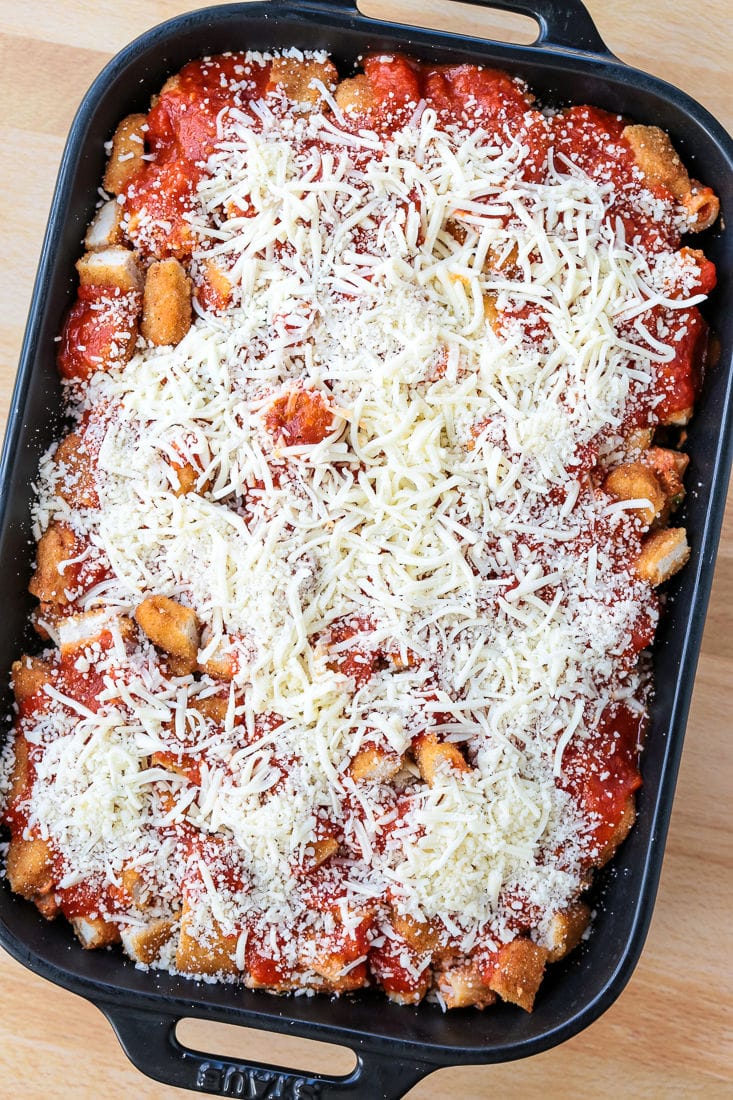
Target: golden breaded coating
point(658, 158)
point(639, 439)
point(105, 229)
point(702, 206)
point(213, 707)
point(520, 968)
point(216, 956)
point(660, 162)
point(50, 581)
point(669, 467)
point(433, 757)
point(188, 477)
point(75, 481)
point(126, 158)
point(330, 965)
point(177, 666)
point(295, 79)
point(20, 774)
point(171, 626)
point(134, 884)
point(491, 313)
point(619, 834)
point(29, 676)
point(145, 944)
point(566, 930)
point(355, 96)
point(29, 867)
point(663, 553)
point(166, 303)
point(374, 763)
point(461, 986)
point(115, 268)
point(635, 481)
point(320, 850)
point(93, 932)
point(422, 936)
point(219, 667)
point(214, 289)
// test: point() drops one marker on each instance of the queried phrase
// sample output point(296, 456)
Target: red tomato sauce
point(181, 133)
point(679, 381)
point(300, 418)
point(359, 661)
point(386, 963)
point(99, 328)
point(602, 773)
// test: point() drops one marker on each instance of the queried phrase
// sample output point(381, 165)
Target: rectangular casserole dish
point(394, 1046)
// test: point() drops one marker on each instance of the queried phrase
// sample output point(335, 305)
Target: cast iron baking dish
point(395, 1046)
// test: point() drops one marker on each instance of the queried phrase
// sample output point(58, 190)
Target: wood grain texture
point(669, 1033)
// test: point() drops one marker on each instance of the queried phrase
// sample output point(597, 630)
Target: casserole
point(471, 1042)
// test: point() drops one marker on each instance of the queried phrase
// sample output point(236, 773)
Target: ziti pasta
point(347, 563)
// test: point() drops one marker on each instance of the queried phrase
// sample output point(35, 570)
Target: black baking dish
point(395, 1046)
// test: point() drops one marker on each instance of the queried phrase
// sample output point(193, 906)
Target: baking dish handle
point(564, 24)
point(149, 1040)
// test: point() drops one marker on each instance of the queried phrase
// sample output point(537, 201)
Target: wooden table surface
point(669, 1033)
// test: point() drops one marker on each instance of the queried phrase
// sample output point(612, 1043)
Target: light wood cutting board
point(669, 1033)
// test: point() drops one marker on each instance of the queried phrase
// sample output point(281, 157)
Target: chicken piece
point(135, 885)
point(374, 763)
point(621, 831)
point(170, 626)
point(100, 330)
point(145, 944)
point(663, 553)
point(422, 936)
point(318, 851)
point(355, 96)
point(462, 986)
point(518, 972)
point(434, 757)
point(669, 467)
point(566, 930)
point(491, 313)
point(78, 631)
point(659, 161)
point(295, 79)
point(93, 932)
point(411, 996)
point(635, 481)
point(20, 773)
point(29, 677)
point(126, 157)
point(51, 578)
point(209, 953)
point(640, 439)
point(75, 481)
point(702, 206)
point(29, 867)
point(221, 665)
point(214, 290)
point(657, 158)
point(166, 303)
point(114, 268)
point(105, 228)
